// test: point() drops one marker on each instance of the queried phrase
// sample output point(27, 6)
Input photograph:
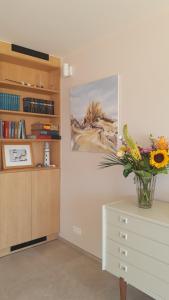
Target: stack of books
point(44, 131)
point(9, 102)
point(39, 106)
point(12, 130)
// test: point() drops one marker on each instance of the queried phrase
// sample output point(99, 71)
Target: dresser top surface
point(159, 213)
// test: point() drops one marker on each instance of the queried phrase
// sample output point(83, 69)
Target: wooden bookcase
point(24, 68)
point(37, 72)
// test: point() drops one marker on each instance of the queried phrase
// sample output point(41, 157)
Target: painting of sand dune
point(94, 116)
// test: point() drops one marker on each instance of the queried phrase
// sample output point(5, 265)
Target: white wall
point(141, 57)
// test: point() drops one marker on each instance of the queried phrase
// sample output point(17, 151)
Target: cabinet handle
point(123, 267)
point(123, 252)
point(123, 220)
point(123, 235)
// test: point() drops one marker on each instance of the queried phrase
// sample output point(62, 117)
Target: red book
point(44, 137)
point(6, 130)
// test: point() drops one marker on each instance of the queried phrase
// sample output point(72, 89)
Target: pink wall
point(141, 57)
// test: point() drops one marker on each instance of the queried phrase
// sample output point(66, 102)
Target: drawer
point(146, 228)
point(139, 260)
point(143, 281)
point(137, 242)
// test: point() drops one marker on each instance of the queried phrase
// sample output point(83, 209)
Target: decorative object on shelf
point(46, 154)
point(17, 156)
point(9, 102)
point(39, 106)
point(39, 165)
point(25, 83)
point(94, 115)
point(145, 163)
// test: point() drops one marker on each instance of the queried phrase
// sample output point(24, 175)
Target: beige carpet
point(57, 271)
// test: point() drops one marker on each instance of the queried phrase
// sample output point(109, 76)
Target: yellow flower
point(159, 158)
point(161, 143)
point(123, 148)
point(134, 150)
point(120, 153)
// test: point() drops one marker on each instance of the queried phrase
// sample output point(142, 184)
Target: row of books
point(12, 129)
point(45, 131)
point(40, 106)
point(9, 101)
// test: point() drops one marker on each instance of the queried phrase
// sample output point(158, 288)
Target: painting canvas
point(17, 156)
point(94, 116)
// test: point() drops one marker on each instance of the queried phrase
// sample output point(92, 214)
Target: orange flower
point(161, 143)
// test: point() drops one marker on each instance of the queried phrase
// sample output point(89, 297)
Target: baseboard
point(82, 251)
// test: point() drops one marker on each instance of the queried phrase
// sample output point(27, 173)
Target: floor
point(57, 271)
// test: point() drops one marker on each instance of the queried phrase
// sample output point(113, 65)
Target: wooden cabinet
point(15, 208)
point(29, 206)
point(45, 203)
point(136, 246)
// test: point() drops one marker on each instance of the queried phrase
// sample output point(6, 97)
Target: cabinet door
point(45, 202)
point(15, 208)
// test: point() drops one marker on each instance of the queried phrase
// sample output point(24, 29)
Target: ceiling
point(62, 26)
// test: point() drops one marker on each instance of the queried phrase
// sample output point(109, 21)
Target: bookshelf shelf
point(17, 86)
point(29, 169)
point(23, 141)
point(23, 113)
point(25, 60)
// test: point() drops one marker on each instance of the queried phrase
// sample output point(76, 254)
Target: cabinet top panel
point(159, 213)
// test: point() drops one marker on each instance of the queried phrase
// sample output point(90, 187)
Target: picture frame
point(94, 115)
point(17, 155)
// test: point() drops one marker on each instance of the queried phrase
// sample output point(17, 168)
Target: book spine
point(6, 129)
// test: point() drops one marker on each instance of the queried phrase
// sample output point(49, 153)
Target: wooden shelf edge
point(29, 169)
point(24, 113)
point(29, 140)
point(10, 85)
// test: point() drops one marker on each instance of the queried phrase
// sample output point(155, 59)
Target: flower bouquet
point(145, 163)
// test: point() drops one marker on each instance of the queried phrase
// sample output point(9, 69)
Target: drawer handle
point(123, 267)
point(123, 235)
point(123, 252)
point(123, 220)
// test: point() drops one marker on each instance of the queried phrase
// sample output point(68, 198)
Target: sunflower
point(159, 158)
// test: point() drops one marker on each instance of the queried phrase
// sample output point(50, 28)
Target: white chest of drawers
point(136, 246)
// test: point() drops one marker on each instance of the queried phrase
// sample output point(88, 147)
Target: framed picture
point(95, 115)
point(17, 155)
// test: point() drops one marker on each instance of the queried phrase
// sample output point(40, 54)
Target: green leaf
point(142, 173)
point(127, 169)
point(163, 171)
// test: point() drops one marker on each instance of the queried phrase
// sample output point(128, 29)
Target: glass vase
point(145, 187)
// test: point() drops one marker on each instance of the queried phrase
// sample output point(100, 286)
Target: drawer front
point(148, 229)
point(143, 281)
point(139, 260)
point(136, 242)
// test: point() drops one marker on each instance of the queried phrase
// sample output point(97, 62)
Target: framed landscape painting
point(94, 116)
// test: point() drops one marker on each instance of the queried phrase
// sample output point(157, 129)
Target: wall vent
point(29, 52)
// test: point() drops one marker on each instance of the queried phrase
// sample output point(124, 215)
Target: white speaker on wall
point(67, 70)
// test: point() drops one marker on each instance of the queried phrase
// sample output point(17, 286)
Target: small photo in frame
point(17, 155)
